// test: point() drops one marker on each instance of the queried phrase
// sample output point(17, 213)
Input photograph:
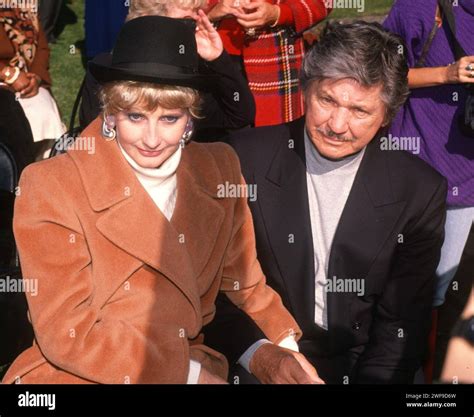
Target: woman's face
point(150, 138)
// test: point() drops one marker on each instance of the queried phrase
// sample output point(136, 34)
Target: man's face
point(342, 116)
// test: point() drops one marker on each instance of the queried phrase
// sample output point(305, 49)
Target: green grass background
point(67, 65)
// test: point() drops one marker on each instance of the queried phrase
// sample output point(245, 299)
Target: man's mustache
point(331, 134)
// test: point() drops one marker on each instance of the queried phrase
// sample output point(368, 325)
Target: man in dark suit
point(349, 227)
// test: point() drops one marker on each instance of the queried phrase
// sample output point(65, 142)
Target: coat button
point(357, 325)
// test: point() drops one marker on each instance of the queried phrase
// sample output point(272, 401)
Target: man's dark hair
point(365, 52)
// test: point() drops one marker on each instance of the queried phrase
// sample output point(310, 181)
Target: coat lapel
point(130, 220)
point(198, 215)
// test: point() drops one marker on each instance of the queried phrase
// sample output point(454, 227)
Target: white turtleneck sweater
point(161, 185)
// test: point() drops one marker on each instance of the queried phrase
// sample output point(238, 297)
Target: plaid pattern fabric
point(272, 59)
point(272, 63)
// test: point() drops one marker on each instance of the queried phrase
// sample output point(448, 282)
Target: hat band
point(155, 68)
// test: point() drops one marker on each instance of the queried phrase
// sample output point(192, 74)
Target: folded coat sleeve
point(72, 333)
point(243, 280)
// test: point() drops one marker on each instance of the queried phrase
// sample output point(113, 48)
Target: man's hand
point(258, 14)
point(461, 71)
point(206, 377)
point(272, 364)
point(33, 86)
point(209, 42)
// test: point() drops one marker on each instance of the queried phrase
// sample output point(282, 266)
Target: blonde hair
point(159, 7)
point(118, 96)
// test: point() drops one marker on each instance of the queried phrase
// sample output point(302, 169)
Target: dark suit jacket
point(390, 234)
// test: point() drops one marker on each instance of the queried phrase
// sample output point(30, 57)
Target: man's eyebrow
point(361, 108)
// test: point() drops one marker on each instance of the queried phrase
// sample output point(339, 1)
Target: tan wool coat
point(122, 292)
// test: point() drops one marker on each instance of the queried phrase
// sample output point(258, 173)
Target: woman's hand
point(259, 14)
point(205, 377)
point(209, 42)
point(226, 8)
point(33, 86)
point(458, 73)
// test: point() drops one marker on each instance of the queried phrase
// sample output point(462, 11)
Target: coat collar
point(108, 179)
point(179, 248)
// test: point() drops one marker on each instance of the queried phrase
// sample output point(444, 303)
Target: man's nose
point(339, 120)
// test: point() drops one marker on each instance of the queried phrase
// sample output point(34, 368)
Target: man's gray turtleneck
point(329, 183)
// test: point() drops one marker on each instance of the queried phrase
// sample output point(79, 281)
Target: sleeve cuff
point(246, 357)
point(289, 342)
point(194, 372)
point(286, 16)
point(221, 63)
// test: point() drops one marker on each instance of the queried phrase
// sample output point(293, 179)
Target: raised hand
point(209, 42)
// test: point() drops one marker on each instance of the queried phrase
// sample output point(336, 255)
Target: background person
point(24, 62)
point(264, 37)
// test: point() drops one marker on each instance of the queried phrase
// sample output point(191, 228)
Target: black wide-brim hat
point(154, 49)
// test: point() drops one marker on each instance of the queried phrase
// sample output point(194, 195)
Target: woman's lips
point(149, 154)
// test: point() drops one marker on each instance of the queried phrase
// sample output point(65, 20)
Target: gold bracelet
point(13, 78)
point(278, 17)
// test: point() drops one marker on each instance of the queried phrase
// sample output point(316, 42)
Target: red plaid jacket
point(273, 57)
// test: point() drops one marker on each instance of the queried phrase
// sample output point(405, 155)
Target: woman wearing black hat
point(130, 235)
point(227, 106)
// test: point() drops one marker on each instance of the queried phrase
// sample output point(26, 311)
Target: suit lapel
point(368, 218)
point(283, 199)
